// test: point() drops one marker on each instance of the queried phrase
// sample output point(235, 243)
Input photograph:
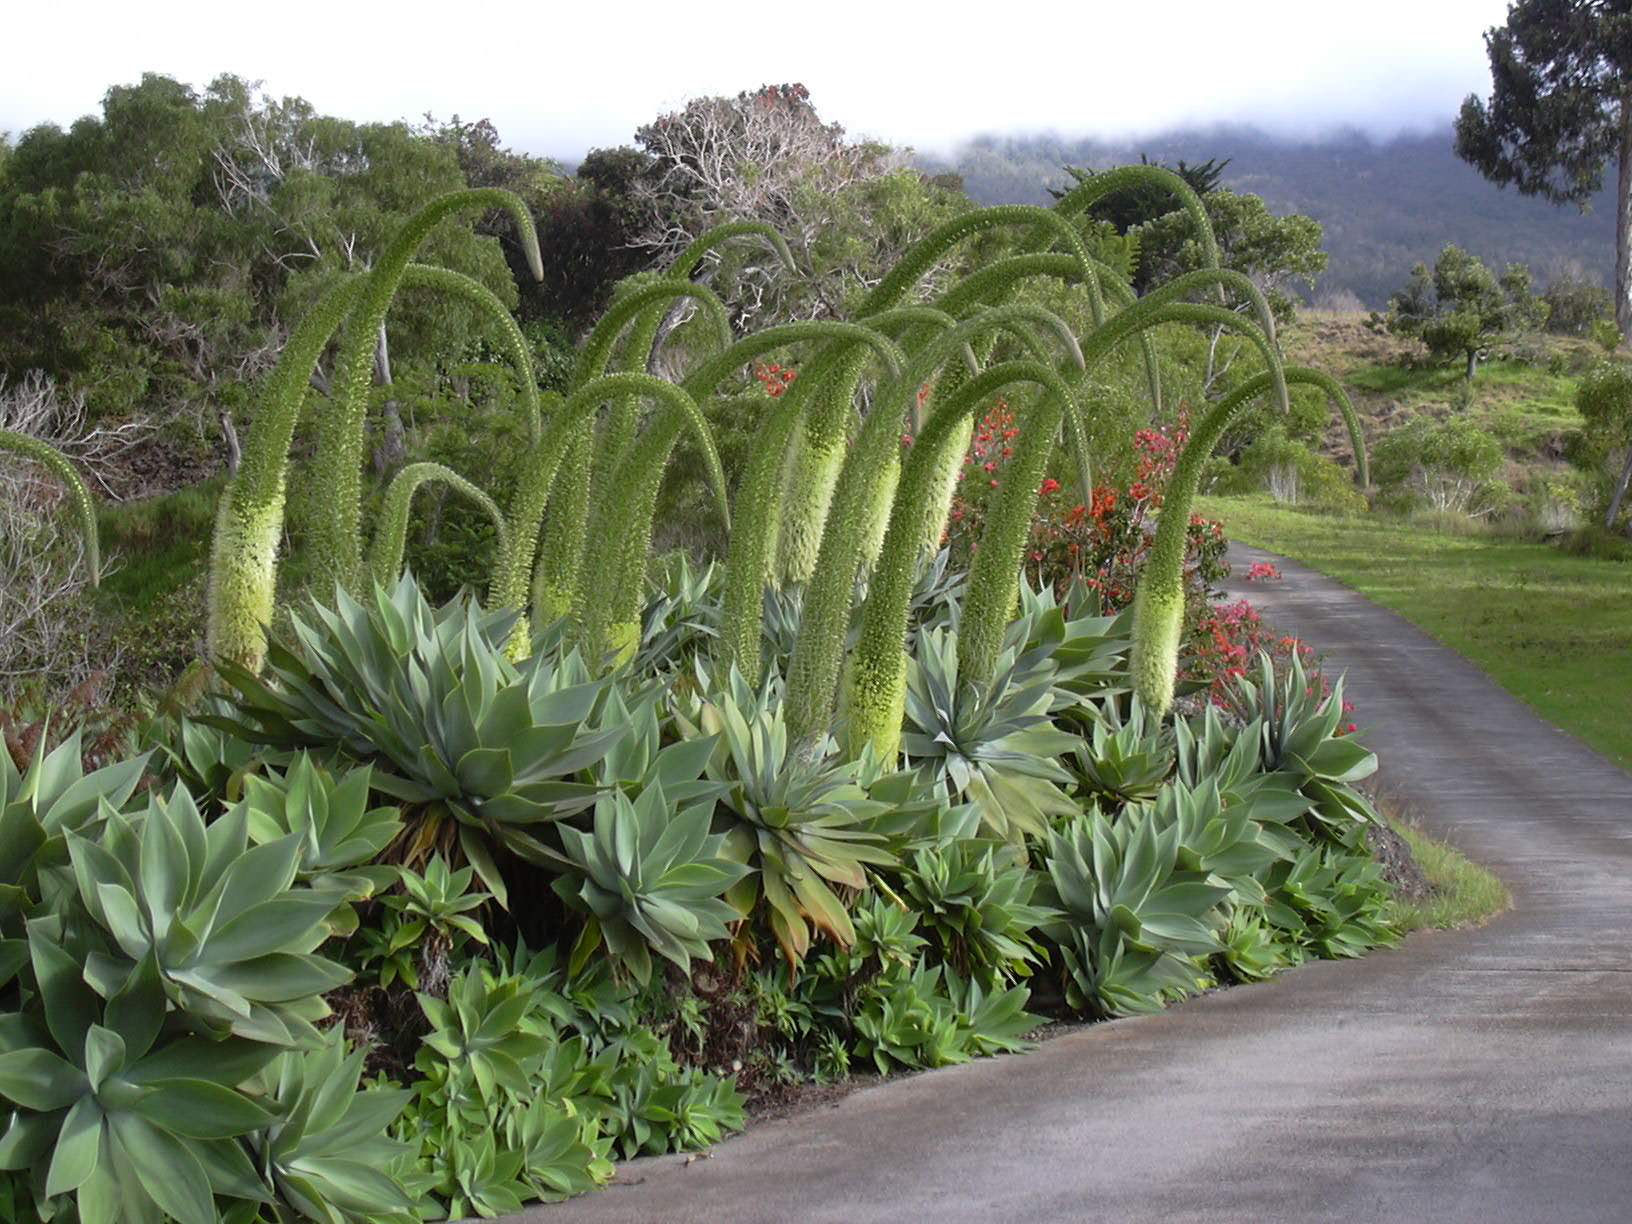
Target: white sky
point(558, 78)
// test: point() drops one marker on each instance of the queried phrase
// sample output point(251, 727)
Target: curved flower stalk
point(338, 542)
point(616, 532)
point(757, 513)
point(924, 318)
point(639, 346)
point(877, 677)
point(1339, 399)
point(497, 317)
point(813, 472)
point(571, 497)
point(391, 534)
point(1159, 602)
point(814, 671)
point(540, 487)
point(49, 457)
point(812, 477)
point(951, 447)
point(624, 519)
point(249, 521)
point(1092, 190)
point(1050, 223)
point(628, 310)
point(994, 577)
point(561, 552)
point(993, 284)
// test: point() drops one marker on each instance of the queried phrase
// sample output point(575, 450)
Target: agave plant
point(994, 744)
point(929, 1017)
point(1126, 759)
point(1223, 842)
point(1331, 901)
point(326, 1155)
point(229, 935)
point(1134, 921)
point(432, 700)
point(800, 825)
point(53, 460)
point(976, 901)
point(1159, 603)
point(339, 834)
point(114, 1113)
point(1253, 949)
point(38, 808)
point(1299, 738)
point(249, 524)
point(649, 880)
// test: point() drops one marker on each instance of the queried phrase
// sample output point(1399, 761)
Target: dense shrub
point(1575, 303)
point(1294, 474)
point(1450, 466)
point(1102, 542)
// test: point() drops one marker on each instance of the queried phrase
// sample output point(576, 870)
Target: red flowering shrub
point(1103, 543)
point(1226, 642)
point(1264, 571)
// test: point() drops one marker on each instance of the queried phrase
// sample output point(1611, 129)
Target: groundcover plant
point(424, 912)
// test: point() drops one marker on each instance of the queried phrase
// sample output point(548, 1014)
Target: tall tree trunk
point(1620, 492)
point(1623, 224)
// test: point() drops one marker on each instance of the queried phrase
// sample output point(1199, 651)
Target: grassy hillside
point(1524, 395)
point(1384, 205)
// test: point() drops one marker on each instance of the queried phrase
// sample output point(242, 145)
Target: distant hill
point(1385, 205)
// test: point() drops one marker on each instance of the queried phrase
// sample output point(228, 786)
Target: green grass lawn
point(1553, 629)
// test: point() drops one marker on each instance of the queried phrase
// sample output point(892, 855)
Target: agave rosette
point(649, 878)
point(231, 935)
point(431, 698)
point(803, 825)
point(1134, 922)
point(995, 744)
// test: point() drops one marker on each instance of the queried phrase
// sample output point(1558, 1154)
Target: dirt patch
point(1400, 867)
point(785, 1100)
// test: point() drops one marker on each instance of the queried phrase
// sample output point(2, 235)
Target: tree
point(149, 256)
point(1145, 203)
point(847, 209)
point(1462, 307)
point(587, 230)
point(1560, 108)
point(1277, 252)
point(1605, 445)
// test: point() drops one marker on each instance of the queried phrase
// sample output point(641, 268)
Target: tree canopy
point(1560, 109)
point(1462, 307)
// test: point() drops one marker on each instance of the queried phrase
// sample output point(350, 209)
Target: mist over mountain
point(1385, 204)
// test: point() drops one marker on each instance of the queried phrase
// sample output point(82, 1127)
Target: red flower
point(1049, 486)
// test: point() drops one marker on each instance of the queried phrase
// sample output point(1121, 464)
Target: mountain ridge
point(1385, 204)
